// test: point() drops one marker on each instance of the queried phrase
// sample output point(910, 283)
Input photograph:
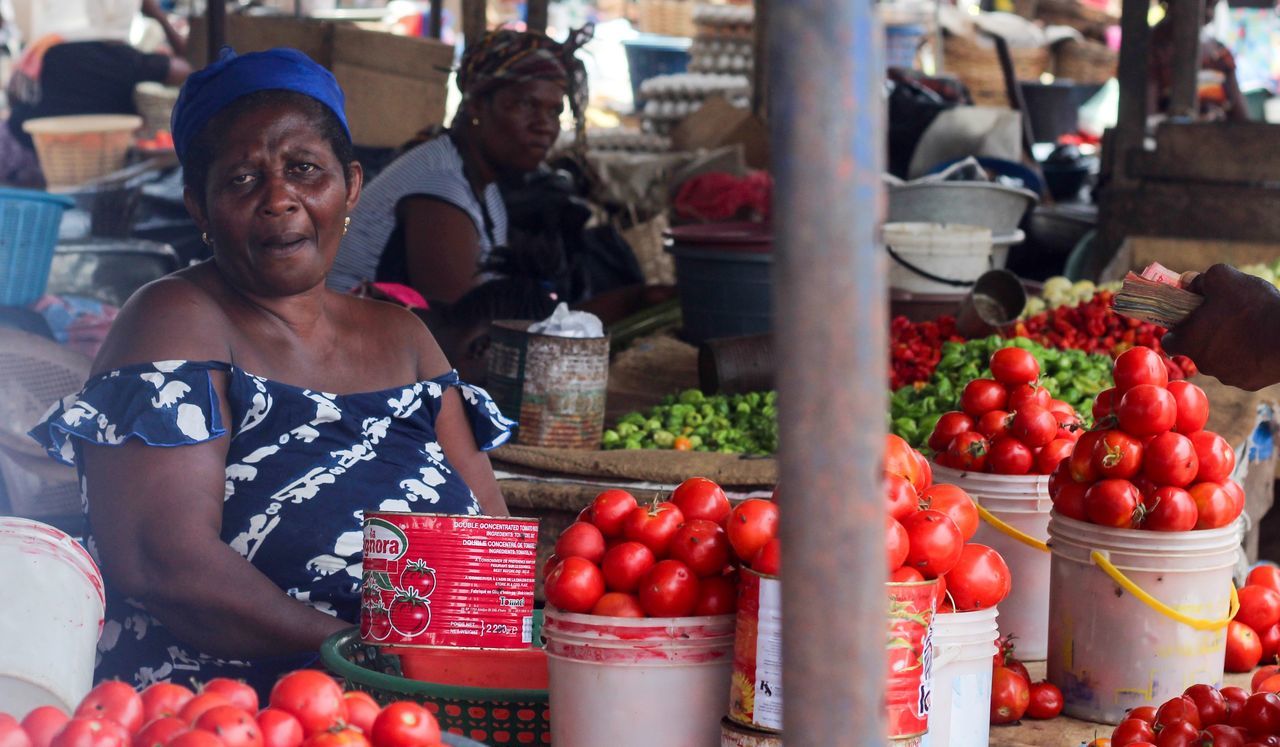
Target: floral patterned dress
point(302, 468)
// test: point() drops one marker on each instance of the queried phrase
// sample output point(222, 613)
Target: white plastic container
point(1022, 503)
point(610, 675)
point(963, 644)
point(50, 617)
point(936, 257)
point(1110, 651)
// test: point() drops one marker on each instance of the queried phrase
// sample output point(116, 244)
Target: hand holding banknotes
point(1233, 334)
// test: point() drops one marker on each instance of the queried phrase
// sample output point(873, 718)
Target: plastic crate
point(651, 55)
point(29, 223)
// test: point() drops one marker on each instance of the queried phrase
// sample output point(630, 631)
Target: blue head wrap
point(213, 88)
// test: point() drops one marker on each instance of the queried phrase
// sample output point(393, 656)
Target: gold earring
point(205, 238)
point(346, 224)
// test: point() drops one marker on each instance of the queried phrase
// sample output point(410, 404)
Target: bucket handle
point(925, 273)
point(1101, 560)
point(1009, 531)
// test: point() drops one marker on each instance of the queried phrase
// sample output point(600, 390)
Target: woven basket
point(154, 102)
point(76, 149)
point(667, 17)
point(978, 67)
point(1084, 61)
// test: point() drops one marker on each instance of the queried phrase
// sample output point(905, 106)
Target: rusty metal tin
point(444, 580)
point(755, 698)
point(554, 386)
point(733, 734)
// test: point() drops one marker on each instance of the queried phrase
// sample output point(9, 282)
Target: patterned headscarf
point(506, 56)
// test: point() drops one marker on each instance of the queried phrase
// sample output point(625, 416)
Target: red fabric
point(718, 196)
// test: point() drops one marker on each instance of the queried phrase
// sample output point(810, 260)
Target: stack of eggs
point(670, 98)
point(724, 43)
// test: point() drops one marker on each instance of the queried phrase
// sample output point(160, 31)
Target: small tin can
point(755, 699)
point(443, 580)
point(910, 648)
point(734, 734)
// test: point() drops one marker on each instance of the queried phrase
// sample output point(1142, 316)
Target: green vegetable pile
point(1073, 376)
point(729, 424)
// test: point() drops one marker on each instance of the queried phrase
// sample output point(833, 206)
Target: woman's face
point(276, 200)
point(519, 124)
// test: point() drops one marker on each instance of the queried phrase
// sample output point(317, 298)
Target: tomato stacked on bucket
point(672, 558)
point(1149, 463)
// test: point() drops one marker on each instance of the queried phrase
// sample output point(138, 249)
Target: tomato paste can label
point(437, 580)
point(910, 652)
point(756, 693)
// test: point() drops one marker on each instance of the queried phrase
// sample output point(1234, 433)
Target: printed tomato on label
point(654, 526)
point(979, 580)
point(625, 564)
point(700, 498)
point(574, 586)
point(609, 511)
point(956, 504)
point(949, 426)
point(900, 498)
point(581, 540)
point(935, 542)
point(618, 604)
point(753, 523)
point(717, 595)
point(669, 589)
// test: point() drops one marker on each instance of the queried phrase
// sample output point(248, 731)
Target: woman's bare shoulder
point(401, 327)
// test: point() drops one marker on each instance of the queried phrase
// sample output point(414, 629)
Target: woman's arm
point(152, 9)
point(442, 248)
point(459, 444)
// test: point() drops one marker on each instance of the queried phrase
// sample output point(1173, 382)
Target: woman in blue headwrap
point(242, 417)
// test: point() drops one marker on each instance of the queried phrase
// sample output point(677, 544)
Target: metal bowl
point(983, 204)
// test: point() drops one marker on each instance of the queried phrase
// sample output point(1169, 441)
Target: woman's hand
point(1231, 336)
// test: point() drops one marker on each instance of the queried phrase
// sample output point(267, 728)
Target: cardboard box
point(395, 85)
point(716, 124)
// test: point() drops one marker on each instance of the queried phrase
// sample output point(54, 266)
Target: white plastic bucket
point(936, 257)
point(51, 607)
point(1022, 503)
point(1110, 651)
point(963, 646)
point(610, 675)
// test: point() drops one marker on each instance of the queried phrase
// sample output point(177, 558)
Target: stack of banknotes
point(1158, 296)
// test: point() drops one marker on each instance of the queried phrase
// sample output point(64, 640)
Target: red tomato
point(1139, 365)
point(338, 736)
point(753, 523)
point(550, 566)
point(1132, 731)
point(42, 723)
point(609, 511)
point(926, 473)
point(280, 729)
point(618, 604)
point(195, 738)
point(935, 542)
point(1070, 501)
point(1117, 455)
point(968, 452)
point(1046, 701)
point(949, 426)
point(1081, 463)
point(1011, 366)
point(1146, 713)
point(1169, 510)
point(1221, 735)
point(769, 559)
point(237, 692)
point(1235, 698)
point(233, 726)
point(159, 731)
point(83, 731)
point(1147, 410)
point(362, 709)
point(1010, 695)
point(717, 595)
point(574, 586)
point(1236, 494)
point(900, 459)
point(164, 699)
point(1265, 575)
point(314, 698)
point(1009, 456)
point(1217, 460)
point(1178, 734)
point(581, 540)
point(1192, 404)
point(956, 504)
point(116, 701)
point(1112, 503)
point(1259, 607)
point(1177, 709)
point(979, 580)
point(669, 589)
point(202, 702)
point(1034, 426)
point(1210, 704)
point(12, 733)
point(624, 565)
point(1170, 459)
point(981, 396)
point(702, 545)
point(994, 425)
point(1262, 675)
point(1104, 405)
point(1244, 650)
point(700, 498)
point(1025, 394)
point(404, 724)
point(654, 526)
point(1270, 640)
point(900, 497)
point(1215, 506)
point(906, 575)
point(1269, 685)
point(1261, 713)
point(1057, 452)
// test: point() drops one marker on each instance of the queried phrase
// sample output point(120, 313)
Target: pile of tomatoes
point(670, 559)
point(927, 527)
point(1013, 695)
point(1009, 425)
point(306, 708)
point(1206, 716)
point(1254, 635)
point(1149, 463)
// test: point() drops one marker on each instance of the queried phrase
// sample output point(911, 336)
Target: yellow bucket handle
point(1009, 531)
point(1103, 562)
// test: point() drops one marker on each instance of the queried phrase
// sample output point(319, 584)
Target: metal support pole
point(1187, 17)
point(536, 18)
point(827, 124)
point(1131, 123)
point(435, 23)
point(216, 21)
point(760, 60)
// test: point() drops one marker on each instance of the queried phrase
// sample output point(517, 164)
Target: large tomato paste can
point(907, 694)
point(755, 697)
point(734, 734)
point(437, 580)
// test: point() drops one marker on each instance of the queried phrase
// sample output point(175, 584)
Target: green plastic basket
point(491, 716)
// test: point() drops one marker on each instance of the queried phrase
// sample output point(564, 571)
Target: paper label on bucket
point(768, 711)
